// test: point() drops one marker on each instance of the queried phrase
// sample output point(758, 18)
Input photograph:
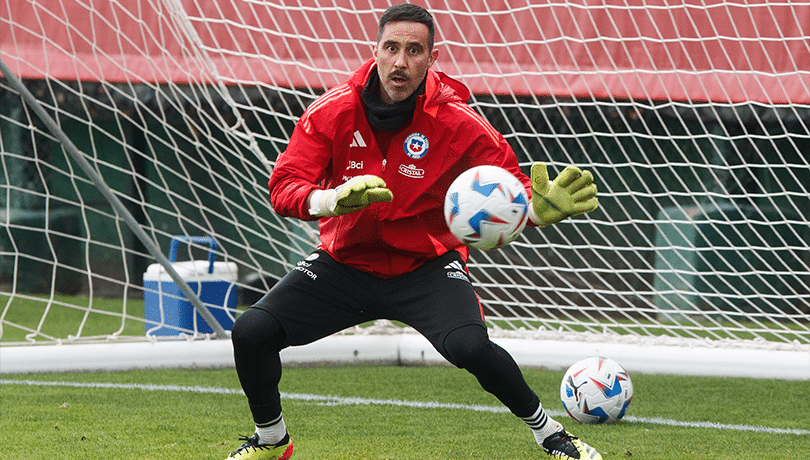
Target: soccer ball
point(596, 390)
point(486, 207)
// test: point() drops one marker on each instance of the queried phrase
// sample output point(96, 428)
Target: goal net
point(163, 118)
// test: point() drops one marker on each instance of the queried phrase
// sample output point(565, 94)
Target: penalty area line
point(357, 401)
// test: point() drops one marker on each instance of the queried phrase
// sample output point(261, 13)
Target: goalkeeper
point(371, 160)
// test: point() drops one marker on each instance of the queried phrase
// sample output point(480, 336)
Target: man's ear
point(434, 54)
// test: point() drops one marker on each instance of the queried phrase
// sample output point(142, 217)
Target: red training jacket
point(333, 142)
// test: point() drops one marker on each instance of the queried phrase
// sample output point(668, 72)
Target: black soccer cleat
point(252, 450)
point(564, 446)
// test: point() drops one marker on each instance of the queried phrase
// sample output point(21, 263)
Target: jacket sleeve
point(299, 170)
point(510, 163)
point(482, 144)
point(490, 147)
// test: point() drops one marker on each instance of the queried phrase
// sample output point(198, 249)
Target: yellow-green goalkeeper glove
point(571, 193)
point(353, 195)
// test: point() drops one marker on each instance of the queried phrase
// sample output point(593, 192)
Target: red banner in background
point(718, 51)
point(697, 51)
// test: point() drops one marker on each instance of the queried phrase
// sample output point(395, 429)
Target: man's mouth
point(398, 79)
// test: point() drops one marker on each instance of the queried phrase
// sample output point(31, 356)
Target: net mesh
point(694, 118)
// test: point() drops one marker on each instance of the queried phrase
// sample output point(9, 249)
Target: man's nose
point(400, 61)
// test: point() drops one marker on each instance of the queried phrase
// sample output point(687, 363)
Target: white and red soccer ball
point(486, 207)
point(596, 390)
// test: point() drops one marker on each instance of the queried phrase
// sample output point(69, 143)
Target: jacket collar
point(439, 88)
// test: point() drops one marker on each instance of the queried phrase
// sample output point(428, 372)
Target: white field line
point(343, 401)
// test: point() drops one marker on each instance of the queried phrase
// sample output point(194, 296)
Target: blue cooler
point(168, 311)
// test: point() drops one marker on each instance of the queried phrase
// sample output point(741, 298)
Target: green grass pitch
point(381, 413)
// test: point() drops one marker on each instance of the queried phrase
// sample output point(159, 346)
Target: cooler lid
point(194, 270)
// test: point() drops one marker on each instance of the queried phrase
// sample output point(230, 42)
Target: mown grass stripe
point(345, 401)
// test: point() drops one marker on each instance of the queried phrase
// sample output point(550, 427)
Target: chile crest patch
point(416, 145)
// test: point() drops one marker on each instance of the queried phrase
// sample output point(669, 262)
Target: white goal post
point(125, 125)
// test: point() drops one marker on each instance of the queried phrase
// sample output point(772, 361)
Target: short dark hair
point(410, 13)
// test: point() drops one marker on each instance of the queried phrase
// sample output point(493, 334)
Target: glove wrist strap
point(322, 203)
point(535, 218)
